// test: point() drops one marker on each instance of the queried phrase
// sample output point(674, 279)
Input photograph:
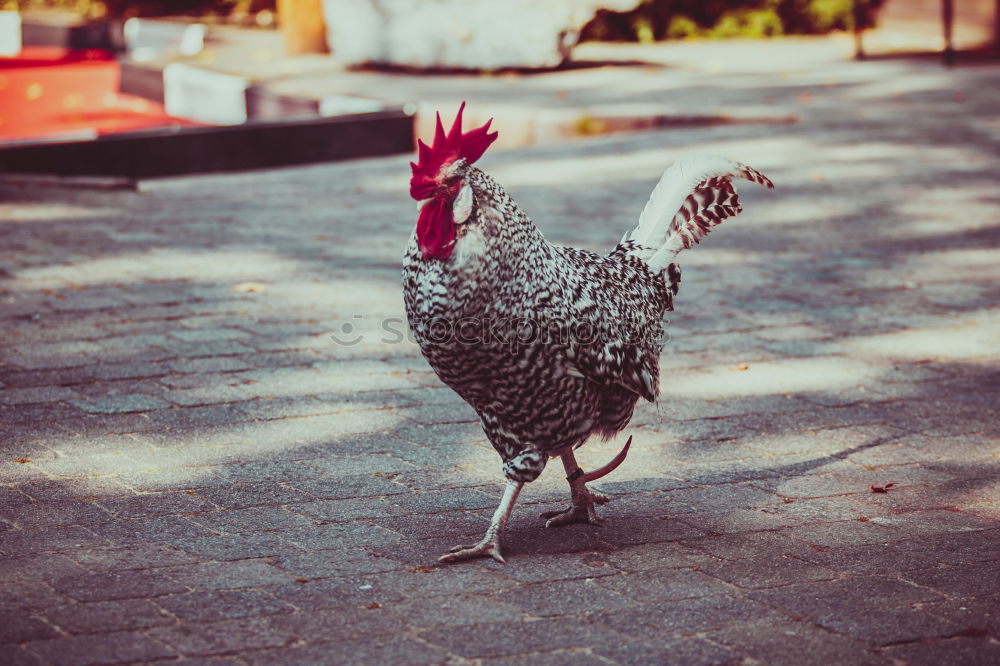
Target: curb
point(254, 145)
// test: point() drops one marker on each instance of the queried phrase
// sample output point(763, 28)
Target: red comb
point(446, 149)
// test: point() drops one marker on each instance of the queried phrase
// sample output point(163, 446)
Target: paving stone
point(223, 604)
point(976, 617)
point(233, 546)
point(336, 466)
point(246, 521)
point(37, 567)
point(546, 599)
point(108, 648)
point(155, 528)
point(684, 617)
point(132, 556)
point(120, 404)
point(934, 522)
point(18, 396)
point(48, 540)
point(767, 572)
point(693, 651)
point(886, 626)
point(340, 562)
point(185, 417)
point(784, 642)
point(739, 520)
point(845, 533)
point(44, 515)
point(332, 511)
point(401, 584)
point(543, 568)
point(23, 628)
point(392, 651)
point(665, 585)
point(104, 616)
point(228, 575)
point(348, 487)
point(209, 364)
point(16, 655)
point(129, 584)
point(156, 504)
point(322, 537)
point(817, 599)
point(456, 609)
point(492, 640)
point(193, 639)
point(454, 524)
point(963, 650)
point(647, 557)
point(867, 560)
point(25, 596)
point(968, 580)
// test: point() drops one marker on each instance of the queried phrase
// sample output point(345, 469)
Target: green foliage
point(747, 23)
point(680, 19)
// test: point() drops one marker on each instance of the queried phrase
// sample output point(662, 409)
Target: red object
point(435, 227)
point(52, 93)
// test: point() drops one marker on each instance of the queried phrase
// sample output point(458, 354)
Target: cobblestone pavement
point(194, 471)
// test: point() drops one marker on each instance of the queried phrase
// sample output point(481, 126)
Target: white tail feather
point(693, 195)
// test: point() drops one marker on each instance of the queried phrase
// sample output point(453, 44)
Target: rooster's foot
point(582, 512)
point(578, 513)
point(485, 548)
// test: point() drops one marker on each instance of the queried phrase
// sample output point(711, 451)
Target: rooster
point(548, 344)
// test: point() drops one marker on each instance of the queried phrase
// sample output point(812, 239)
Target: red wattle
point(436, 229)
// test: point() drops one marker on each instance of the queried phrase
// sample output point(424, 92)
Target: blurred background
point(75, 70)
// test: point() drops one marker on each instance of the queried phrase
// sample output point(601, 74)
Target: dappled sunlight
point(939, 266)
point(167, 264)
point(52, 211)
point(945, 212)
point(967, 341)
point(791, 375)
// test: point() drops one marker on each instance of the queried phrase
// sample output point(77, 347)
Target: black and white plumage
point(550, 344)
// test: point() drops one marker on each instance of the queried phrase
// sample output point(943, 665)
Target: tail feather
point(693, 196)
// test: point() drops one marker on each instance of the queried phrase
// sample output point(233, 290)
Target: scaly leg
point(490, 545)
point(584, 499)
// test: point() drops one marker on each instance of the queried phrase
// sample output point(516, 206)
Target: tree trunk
point(302, 23)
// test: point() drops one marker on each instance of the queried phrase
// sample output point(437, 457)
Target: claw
point(610, 467)
point(574, 514)
point(485, 548)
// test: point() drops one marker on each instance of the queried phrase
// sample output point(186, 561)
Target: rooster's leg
point(584, 499)
point(490, 545)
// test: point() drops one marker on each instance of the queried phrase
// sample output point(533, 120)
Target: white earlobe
point(461, 209)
